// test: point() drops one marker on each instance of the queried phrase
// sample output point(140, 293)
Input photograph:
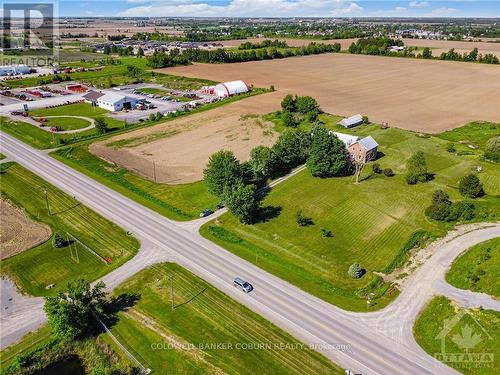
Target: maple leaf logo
point(467, 339)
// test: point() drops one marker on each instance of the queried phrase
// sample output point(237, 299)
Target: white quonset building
point(116, 102)
point(12, 70)
point(226, 89)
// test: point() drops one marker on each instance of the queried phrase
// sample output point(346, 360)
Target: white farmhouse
point(116, 102)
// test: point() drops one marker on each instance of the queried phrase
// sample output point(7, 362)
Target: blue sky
point(281, 8)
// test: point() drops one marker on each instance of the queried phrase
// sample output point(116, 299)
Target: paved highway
point(308, 318)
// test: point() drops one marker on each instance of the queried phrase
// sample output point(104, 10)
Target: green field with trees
point(203, 315)
point(473, 334)
point(311, 230)
point(57, 263)
point(478, 269)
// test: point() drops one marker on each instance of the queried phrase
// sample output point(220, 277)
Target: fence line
point(144, 370)
point(88, 248)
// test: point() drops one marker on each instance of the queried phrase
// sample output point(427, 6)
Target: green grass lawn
point(478, 269)
point(42, 139)
point(371, 222)
point(477, 333)
point(34, 269)
point(154, 91)
point(76, 109)
point(67, 123)
point(30, 341)
point(476, 133)
point(179, 202)
point(204, 316)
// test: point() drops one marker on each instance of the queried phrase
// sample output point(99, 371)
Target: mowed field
point(437, 46)
point(181, 148)
point(422, 95)
point(371, 221)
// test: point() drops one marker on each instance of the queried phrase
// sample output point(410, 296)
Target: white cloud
point(245, 8)
point(419, 4)
point(441, 12)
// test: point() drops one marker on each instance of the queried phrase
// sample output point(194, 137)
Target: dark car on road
point(206, 212)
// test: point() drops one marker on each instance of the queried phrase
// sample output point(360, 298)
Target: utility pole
point(154, 170)
point(172, 292)
point(47, 200)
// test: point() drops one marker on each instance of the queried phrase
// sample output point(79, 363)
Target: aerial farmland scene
point(250, 187)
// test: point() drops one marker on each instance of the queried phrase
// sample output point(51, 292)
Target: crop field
point(421, 95)
point(478, 269)
point(178, 341)
point(371, 222)
point(18, 232)
point(181, 148)
point(34, 269)
point(480, 328)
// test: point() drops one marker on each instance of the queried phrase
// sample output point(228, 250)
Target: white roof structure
point(346, 138)
point(368, 143)
point(225, 89)
point(111, 98)
point(351, 121)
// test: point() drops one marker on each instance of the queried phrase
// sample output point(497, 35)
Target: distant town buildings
point(149, 47)
point(13, 70)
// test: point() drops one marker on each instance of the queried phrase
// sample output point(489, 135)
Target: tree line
point(161, 59)
point(264, 44)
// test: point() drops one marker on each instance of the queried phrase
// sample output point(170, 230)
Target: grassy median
point(478, 269)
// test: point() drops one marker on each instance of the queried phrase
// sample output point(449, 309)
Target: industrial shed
point(352, 121)
point(12, 70)
point(116, 102)
point(226, 89)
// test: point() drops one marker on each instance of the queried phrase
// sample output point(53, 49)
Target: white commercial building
point(12, 70)
point(226, 89)
point(116, 102)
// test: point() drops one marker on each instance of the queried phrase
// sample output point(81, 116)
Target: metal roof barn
point(351, 121)
point(226, 89)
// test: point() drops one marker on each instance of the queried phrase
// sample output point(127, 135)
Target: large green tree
point(223, 170)
point(306, 104)
point(328, 155)
point(242, 201)
point(416, 169)
point(100, 125)
point(262, 162)
point(70, 314)
point(493, 149)
point(291, 149)
point(288, 104)
point(470, 186)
